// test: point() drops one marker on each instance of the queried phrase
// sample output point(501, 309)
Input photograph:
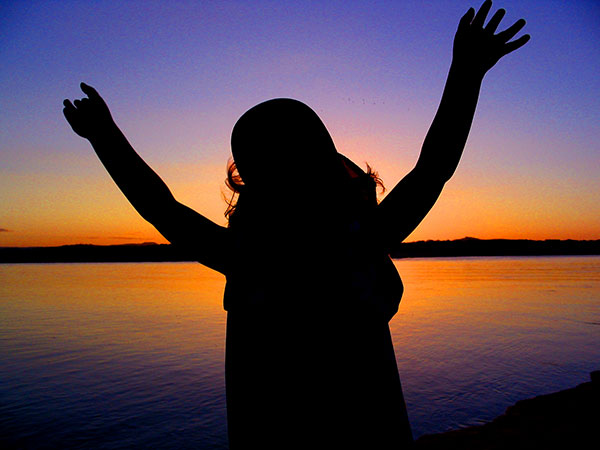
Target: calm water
point(131, 355)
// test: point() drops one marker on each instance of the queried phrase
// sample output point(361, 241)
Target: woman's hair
point(236, 185)
point(366, 182)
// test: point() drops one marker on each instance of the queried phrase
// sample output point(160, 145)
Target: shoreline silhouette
point(563, 419)
point(153, 252)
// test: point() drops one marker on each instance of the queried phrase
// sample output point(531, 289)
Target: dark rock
point(567, 419)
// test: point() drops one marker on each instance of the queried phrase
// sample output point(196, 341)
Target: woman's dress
point(309, 358)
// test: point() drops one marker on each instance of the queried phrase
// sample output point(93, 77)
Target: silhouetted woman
point(310, 287)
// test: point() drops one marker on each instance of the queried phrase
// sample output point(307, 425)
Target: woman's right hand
point(90, 116)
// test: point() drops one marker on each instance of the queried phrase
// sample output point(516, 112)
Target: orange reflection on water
point(455, 304)
point(161, 309)
point(472, 336)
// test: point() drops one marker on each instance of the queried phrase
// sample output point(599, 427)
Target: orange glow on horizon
point(89, 209)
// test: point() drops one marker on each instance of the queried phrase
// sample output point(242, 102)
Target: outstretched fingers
point(476, 43)
point(482, 14)
point(466, 19)
point(495, 21)
point(511, 31)
point(512, 46)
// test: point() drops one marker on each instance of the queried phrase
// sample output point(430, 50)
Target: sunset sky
point(178, 74)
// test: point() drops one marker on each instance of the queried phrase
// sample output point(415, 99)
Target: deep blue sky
point(178, 74)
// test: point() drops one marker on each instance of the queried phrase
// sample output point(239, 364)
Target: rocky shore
point(568, 419)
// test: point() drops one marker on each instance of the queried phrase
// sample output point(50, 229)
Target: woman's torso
point(309, 355)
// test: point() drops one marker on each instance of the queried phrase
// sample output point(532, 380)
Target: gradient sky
point(178, 74)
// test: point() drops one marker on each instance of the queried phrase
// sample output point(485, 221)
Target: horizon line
point(466, 238)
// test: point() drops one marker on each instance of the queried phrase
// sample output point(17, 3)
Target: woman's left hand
point(476, 47)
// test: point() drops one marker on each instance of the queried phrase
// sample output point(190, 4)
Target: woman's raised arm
point(90, 118)
point(476, 50)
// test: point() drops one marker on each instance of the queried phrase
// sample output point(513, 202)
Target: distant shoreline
point(152, 252)
point(496, 247)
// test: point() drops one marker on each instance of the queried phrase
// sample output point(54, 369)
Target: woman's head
point(281, 136)
point(285, 162)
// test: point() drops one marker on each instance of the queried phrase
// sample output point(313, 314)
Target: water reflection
point(124, 355)
point(475, 335)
